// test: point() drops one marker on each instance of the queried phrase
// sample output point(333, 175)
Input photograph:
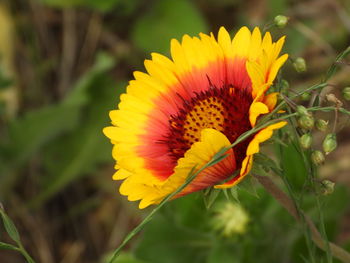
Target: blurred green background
point(63, 64)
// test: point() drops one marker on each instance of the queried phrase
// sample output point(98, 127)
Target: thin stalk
point(216, 158)
point(191, 176)
point(307, 233)
point(322, 224)
point(287, 203)
point(25, 254)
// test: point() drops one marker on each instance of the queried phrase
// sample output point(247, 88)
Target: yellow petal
point(255, 110)
point(276, 66)
point(212, 141)
point(121, 174)
point(261, 136)
point(224, 41)
point(241, 42)
point(270, 100)
point(255, 44)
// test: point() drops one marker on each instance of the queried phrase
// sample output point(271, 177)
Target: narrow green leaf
point(10, 227)
point(101, 5)
point(37, 128)
point(234, 194)
point(210, 198)
point(87, 146)
point(249, 186)
point(8, 246)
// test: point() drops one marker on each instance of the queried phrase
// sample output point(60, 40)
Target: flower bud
point(305, 96)
point(327, 187)
point(299, 64)
point(306, 122)
point(329, 143)
point(281, 21)
point(230, 218)
point(346, 93)
point(321, 125)
point(301, 110)
point(317, 157)
point(305, 141)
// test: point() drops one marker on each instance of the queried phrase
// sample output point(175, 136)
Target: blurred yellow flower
point(230, 218)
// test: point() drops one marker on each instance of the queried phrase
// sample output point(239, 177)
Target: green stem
point(216, 158)
point(25, 254)
point(288, 204)
point(192, 175)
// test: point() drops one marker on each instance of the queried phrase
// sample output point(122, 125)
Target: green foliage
point(101, 5)
point(183, 233)
point(46, 125)
point(10, 227)
point(172, 243)
point(165, 20)
point(79, 152)
point(292, 165)
point(126, 258)
point(13, 233)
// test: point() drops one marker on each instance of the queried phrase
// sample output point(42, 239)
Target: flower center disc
point(224, 109)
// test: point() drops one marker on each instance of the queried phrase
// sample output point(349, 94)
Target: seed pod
point(346, 93)
point(327, 187)
point(329, 143)
point(301, 110)
point(321, 125)
point(317, 157)
point(305, 96)
point(306, 122)
point(305, 141)
point(299, 65)
point(281, 21)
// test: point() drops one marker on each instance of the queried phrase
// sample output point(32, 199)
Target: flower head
point(185, 109)
point(230, 218)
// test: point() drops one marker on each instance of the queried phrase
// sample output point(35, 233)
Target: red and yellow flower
point(187, 108)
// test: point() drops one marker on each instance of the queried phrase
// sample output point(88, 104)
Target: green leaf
point(222, 253)
point(7, 246)
point(101, 5)
point(293, 166)
point(39, 127)
point(164, 242)
point(10, 227)
point(165, 20)
point(210, 198)
point(234, 193)
point(84, 148)
point(125, 258)
point(248, 184)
